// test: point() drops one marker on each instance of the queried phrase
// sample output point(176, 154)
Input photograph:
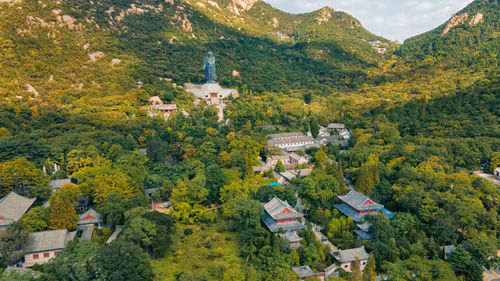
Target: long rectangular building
point(290, 140)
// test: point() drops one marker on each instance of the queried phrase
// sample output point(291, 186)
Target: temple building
point(293, 239)
point(13, 207)
point(44, 245)
point(211, 93)
point(363, 232)
point(290, 141)
point(347, 258)
point(164, 110)
point(305, 271)
point(280, 215)
point(356, 205)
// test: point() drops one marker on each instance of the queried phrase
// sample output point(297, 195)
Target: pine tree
point(343, 187)
point(369, 273)
point(367, 178)
point(355, 274)
point(279, 167)
point(295, 257)
point(62, 214)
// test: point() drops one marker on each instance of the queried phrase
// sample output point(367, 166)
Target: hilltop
point(80, 52)
point(468, 38)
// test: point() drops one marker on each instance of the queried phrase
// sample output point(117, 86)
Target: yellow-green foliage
point(207, 254)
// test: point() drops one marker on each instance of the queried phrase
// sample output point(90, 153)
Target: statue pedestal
point(212, 93)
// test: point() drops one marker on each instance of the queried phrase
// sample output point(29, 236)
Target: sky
point(392, 19)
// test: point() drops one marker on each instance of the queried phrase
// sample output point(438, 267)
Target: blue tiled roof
point(348, 212)
point(387, 213)
point(363, 235)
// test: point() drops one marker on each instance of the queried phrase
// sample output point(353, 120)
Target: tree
point(341, 179)
point(215, 181)
point(21, 175)
point(418, 268)
point(369, 273)
point(112, 208)
point(71, 262)
point(367, 177)
point(101, 179)
point(463, 264)
point(164, 229)
point(279, 167)
point(295, 257)
point(37, 219)
point(314, 128)
point(12, 239)
point(248, 212)
point(481, 248)
point(121, 261)
point(62, 214)
point(355, 274)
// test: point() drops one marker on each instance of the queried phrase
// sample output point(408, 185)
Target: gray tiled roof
point(336, 126)
point(163, 107)
point(305, 271)
point(148, 191)
point(57, 184)
point(91, 216)
point(48, 240)
point(19, 270)
point(303, 172)
point(297, 157)
point(288, 175)
point(285, 135)
point(87, 231)
point(334, 140)
point(359, 201)
point(261, 168)
point(290, 236)
point(448, 249)
point(277, 209)
point(283, 158)
point(351, 254)
point(286, 226)
point(295, 141)
point(13, 207)
point(348, 212)
point(365, 226)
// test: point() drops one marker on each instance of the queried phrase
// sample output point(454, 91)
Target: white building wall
point(43, 257)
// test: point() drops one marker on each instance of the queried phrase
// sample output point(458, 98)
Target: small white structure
point(213, 93)
point(162, 109)
point(496, 173)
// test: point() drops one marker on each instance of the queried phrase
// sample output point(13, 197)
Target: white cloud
point(393, 19)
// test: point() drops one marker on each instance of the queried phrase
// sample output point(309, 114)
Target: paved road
point(323, 239)
point(113, 236)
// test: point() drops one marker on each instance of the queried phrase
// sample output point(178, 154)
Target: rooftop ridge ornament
point(210, 76)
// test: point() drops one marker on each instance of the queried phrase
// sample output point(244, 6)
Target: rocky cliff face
point(461, 19)
point(238, 7)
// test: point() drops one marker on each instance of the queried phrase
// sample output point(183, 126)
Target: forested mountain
point(469, 38)
point(421, 117)
point(72, 49)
